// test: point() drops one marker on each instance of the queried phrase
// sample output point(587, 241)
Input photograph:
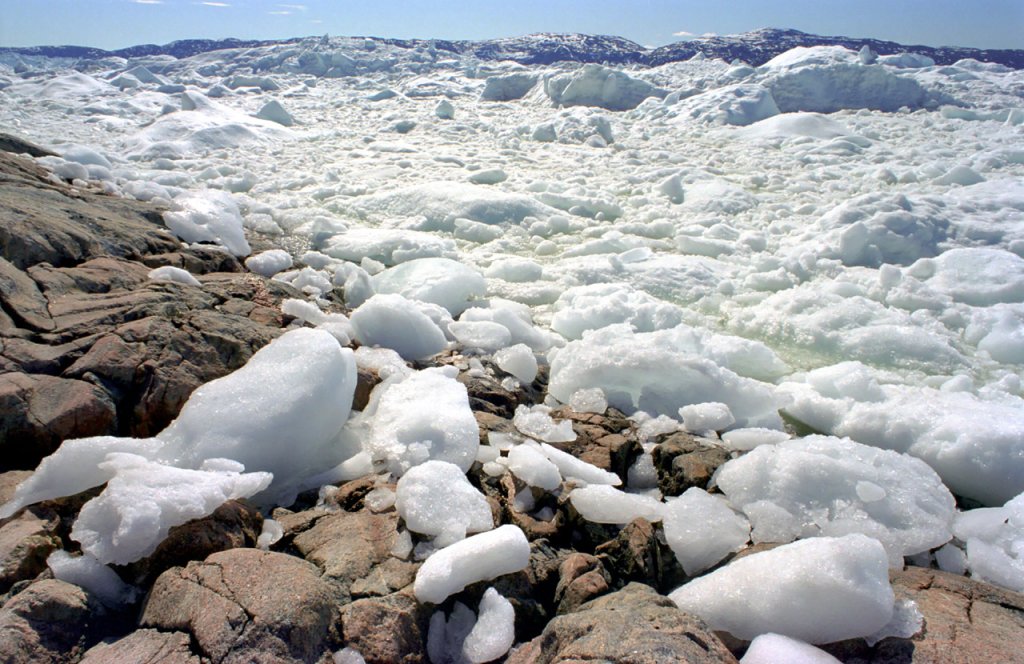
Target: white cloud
point(148, 2)
point(209, 3)
point(683, 33)
point(284, 12)
point(710, 34)
point(298, 8)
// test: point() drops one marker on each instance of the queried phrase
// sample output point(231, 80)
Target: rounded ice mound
point(298, 388)
point(819, 590)
point(795, 125)
point(775, 648)
point(594, 85)
point(595, 306)
point(995, 543)
point(658, 373)
point(440, 281)
point(826, 79)
point(979, 276)
point(821, 485)
point(435, 498)
point(426, 416)
point(392, 321)
point(601, 503)
point(270, 262)
point(209, 216)
point(386, 245)
point(739, 105)
point(174, 275)
point(440, 203)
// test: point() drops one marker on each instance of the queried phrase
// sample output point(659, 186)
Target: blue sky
point(118, 23)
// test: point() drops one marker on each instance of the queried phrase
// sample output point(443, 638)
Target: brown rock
point(37, 412)
point(99, 275)
point(600, 440)
point(354, 551)
point(634, 625)
point(9, 481)
point(682, 461)
point(17, 145)
point(581, 578)
point(49, 622)
point(25, 542)
point(144, 645)
point(387, 630)
point(965, 621)
point(636, 554)
point(235, 524)
point(21, 299)
point(246, 605)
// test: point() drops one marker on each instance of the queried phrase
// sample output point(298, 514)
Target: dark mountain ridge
point(754, 48)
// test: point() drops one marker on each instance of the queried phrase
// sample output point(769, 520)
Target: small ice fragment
point(272, 532)
point(494, 631)
point(477, 558)
point(710, 416)
point(536, 423)
point(588, 400)
point(571, 467)
point(174, 275)
point(531, 466)
point(601, 503)
point(517, 360)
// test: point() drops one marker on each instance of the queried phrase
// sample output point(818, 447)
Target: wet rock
point(233, 525)
point(50, 622)
point(354, 552)
point(17, 145)
point(144, 645)
point(37, 412)
point(246, 605)
point(682, 461)
point(387, 630)
point(25, 541)
point(965, 621)
point(634, 625)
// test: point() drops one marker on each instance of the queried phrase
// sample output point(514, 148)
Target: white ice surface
point(817, 590)
point(435, 498)
point(478, 558)
point(702, 529)
point(774, 649)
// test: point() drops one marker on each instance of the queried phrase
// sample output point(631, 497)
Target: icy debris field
point(824, 244)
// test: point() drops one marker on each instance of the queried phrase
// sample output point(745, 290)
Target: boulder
point(634, 625)
point(637, 554)
point(603, 440)
point(682, 461)
point(25, 542)
point(50, 621)
point(581, 578)
point(248, 605)
point(387, 630)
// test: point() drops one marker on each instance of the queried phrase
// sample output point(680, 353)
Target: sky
point(112, 24)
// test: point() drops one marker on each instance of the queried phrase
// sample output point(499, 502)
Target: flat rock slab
point(144, 645)
point(247, 605)
point(25, 542)
point(635, 625)
point(49, 622)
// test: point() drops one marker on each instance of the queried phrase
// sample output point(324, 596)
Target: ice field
point(817, 263)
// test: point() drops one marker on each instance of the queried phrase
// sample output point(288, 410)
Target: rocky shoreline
point(90, 345)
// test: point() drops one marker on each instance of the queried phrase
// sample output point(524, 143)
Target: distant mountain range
point(754, 48)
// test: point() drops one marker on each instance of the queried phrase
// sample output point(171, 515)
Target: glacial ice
point(435, 498)
point(478, 558)
point(821, 590)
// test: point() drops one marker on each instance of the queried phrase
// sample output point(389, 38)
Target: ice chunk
point(739, 104)
point(435, 498)
point(995, 543)
point(145, 499)
point(441, 202)
point(516, 270)
point(744, 440)
point(494, 631)
point(508, 87)
point(537, 423)
point(598, 305)
point(426, 416)
point(174, 275)
point(601, 503)
point(273, 111)
point(440, 281)
point(270, 262)
point(590, 400)
point(711, 416)
point(829, 486)
point(658, 372)
point(519, 361)
point(907, 621)
point(514, 317)
point(390, 246)
point(210, 216)
point(818, 590)
point(395, 322)
point(87, 572)
point(795, 125)
point(776, 648)
point(481, 557)
point(979, 276)
point(483, 335)
point(571, 467)
point(348, 655)
point(702, 530)
point(531, 466)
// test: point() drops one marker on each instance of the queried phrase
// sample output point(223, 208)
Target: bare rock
point(49, 622)
point(682, 461)
point(387, 630)
point(634, 625)
point(581, 578)
point(603, 440)
point(9, 481)
point(247, 605)
point(353, 549)
point(965, 621)
point(21, 299)
point(18, 145)
point(25, 541)
point(637, 554)
point(37, 412)
point(144, 645)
